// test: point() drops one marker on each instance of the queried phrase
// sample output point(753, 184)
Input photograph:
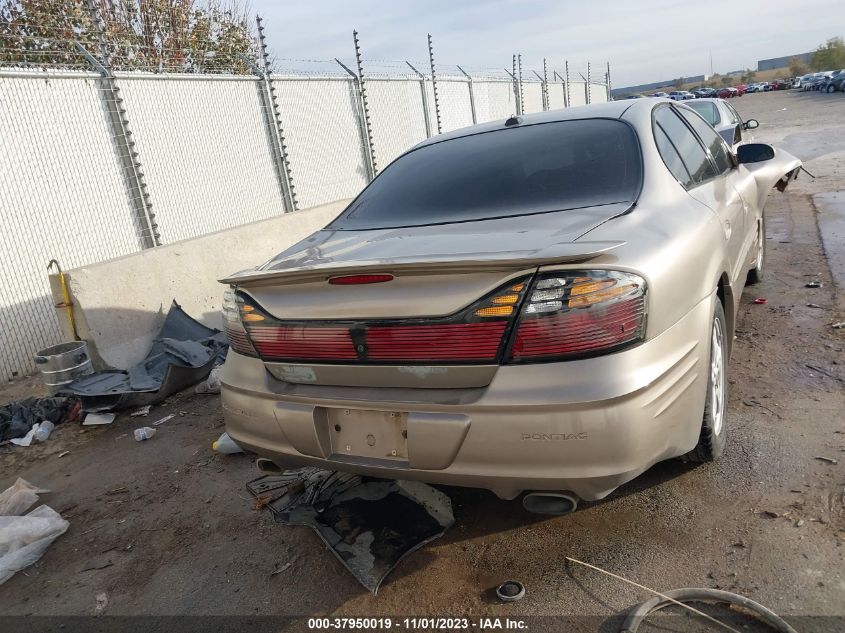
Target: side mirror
point(750, 124)
point(754, 153)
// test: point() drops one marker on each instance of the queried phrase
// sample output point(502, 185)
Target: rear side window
point(708, 110)
point(714, 142)
point(734, 115)
point(686, 144)
point(502, 173)
point(671, 157)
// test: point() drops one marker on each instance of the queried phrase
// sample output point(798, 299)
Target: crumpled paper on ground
point(24, 539)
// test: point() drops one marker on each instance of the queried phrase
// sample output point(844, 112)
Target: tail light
point(557, 316)
point(575, 314)
point(235, 332)
point(474, 335)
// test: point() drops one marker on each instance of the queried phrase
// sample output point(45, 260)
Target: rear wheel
point(711, 442)
point(755, 275)
point(831, 89)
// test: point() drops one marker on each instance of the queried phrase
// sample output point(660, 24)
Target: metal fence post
point(471, 95)
point(566, 91)
point(519, 75)
point(273, 123)
point(119, 123)
point(515, 87)
point(434, 84)
point(587, 96)
point(366, 148)
point(542, 90)
point(609, 90)
point(362, 112)
point(545, 85)
point(426, 116)
point(365, 109)
point(557, 76)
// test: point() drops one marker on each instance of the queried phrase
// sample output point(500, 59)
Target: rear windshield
point(503, 173)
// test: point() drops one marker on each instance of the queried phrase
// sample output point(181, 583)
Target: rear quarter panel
point(674, 241)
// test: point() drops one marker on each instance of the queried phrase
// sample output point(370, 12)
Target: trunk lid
point(437, 271)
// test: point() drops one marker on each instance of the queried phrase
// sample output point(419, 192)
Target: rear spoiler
point(560, 253)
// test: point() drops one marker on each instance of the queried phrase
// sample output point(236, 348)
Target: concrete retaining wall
point(120, 304)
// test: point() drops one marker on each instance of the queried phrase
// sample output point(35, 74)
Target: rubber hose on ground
point(641, 611)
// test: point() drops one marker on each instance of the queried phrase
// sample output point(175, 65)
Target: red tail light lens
point(578, 314)
point(474, 335)
point(450, 342)
point(235, 332)
point(275, 340)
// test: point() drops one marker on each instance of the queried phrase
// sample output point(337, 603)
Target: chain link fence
point(111, 147)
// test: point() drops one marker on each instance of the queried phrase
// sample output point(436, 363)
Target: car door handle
point(727, 229)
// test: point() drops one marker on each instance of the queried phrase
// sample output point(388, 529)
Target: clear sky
point(644, 40)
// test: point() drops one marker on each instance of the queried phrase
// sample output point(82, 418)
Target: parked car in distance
point(633, 97)
point(818, 80)
point(704, 93)
point(803, 80)
point(544, 303)
point(724, 118)
point(835, 83)
point(681, 95)
point(659, 94)
point(781, 84)
point(756, 87)
point(726, 93)
point(741, 89)
point(821, 81)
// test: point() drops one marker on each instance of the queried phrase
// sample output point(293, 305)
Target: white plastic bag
point(24, 539)
point(210, 384)
point(19, 497)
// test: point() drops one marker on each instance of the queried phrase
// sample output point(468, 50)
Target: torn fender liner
point(183, 353)
point(369, 524)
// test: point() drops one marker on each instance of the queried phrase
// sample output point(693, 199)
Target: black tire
point(755, 275)
point(711, 442)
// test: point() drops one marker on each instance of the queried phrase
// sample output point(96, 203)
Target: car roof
point(608, 110)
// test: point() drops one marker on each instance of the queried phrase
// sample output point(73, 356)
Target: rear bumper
point(584, 426)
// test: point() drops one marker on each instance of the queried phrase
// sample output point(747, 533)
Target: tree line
point(155, 35)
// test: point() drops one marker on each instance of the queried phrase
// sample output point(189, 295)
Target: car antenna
point(512, 120)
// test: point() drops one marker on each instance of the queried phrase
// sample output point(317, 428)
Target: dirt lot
point(166, 527)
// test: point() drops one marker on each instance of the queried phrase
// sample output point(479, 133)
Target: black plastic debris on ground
point(370, 525)
point(17, 418)
point(184, 353)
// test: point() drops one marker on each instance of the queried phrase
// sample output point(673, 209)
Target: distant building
point(652, 86)
point(781, 62)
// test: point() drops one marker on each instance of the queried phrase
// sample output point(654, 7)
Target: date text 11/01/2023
point(416, 623)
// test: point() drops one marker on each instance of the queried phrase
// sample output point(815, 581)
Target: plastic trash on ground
point(144, 433)
point(39, 432)
point(18, 497)
point(24, 539)
point(226, 445)
point(210, 384)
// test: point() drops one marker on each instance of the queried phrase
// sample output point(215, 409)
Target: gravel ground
point(166, 527)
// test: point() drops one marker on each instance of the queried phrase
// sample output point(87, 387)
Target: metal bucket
point(62, 364)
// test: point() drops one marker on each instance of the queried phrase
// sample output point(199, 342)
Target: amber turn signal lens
point(506, 299)
point(494, 311)
point(601, 295)
point(252, 317)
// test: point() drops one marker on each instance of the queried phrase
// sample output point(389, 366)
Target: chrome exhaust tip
point(554, 503)
point(267, 466)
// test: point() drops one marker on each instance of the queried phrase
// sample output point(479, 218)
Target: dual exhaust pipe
point(552, 503)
